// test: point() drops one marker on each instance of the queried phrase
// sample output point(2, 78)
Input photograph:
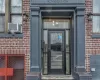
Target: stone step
point(57, 77)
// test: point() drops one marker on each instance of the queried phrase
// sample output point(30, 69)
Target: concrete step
point(57, 77)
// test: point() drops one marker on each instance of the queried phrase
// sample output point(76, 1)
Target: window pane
point(16, 6)
point(2, 23)
point(16, 19)
point(67, 40)
point(96, 24)
point(2, 6)
point(96, 6)
point(56, 23)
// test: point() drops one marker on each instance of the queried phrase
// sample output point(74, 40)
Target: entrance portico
point(72, 10)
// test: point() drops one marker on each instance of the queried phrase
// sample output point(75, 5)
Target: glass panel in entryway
point(45, 51)
point(56, 50)
point(56, 24)
point(67, 53)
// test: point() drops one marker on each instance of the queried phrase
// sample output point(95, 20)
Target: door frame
point(63, 70)
point(70, 44)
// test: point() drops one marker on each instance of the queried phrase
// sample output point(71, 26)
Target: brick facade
point(88, 32)
point(22, 45)
point(19, 45)
point(92, 45)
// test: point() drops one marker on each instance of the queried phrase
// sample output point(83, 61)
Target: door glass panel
point(56, 50)
point(67, 53)
point(45, 37)
point(67, 40)
point(45, 51)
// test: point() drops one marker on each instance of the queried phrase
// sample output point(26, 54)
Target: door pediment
point(57, 1)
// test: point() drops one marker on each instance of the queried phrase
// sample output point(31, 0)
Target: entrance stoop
point(57, 77)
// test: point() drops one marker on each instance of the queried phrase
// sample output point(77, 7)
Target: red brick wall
point(22, 46)
point(19, 45)
point(92, 45)
point(88, 33)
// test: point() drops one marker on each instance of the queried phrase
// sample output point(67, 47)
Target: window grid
point(2, 15)
point(12, 8)
point(96, 16)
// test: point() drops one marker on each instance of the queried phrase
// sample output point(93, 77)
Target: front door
point(56, 52)
point(55, 47)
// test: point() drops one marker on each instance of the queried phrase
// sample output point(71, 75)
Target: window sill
point(95, 35)
point(6, 35)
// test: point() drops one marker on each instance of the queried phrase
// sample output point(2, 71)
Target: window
point(10, 13)
point(2, 15)
point(2, 6)
point(96, 6)
point(16, 11)
point(96, 24)
point(96, 17)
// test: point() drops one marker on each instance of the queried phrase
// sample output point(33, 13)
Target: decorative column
point(80, 45)
point(80, 36)
point(35, 45)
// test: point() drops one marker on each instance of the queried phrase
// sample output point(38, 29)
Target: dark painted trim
point(74, 27)
point(80, 39)
point(68, 4)
point(95, 36)
point(33, 76)
point(57, 10)
point(63, 10)
point(43, 3)
point(35, 8)
point(35, 41)
point(84, 76)
point(79, 36)
point(72, 6)
point(6, 35)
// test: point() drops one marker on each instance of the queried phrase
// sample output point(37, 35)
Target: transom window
point(10, 12)
point(56, 24)
point(96, 16)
